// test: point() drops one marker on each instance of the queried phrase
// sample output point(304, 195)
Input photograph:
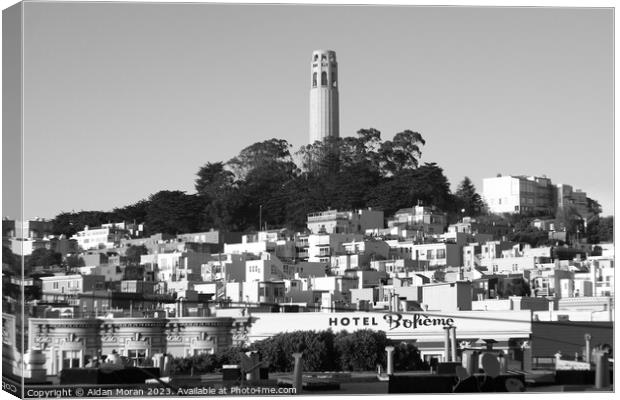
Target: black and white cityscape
point(247, 199)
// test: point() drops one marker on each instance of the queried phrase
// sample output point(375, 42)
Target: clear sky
point(124, 100)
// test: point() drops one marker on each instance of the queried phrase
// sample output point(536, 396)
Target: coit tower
point(324, 120)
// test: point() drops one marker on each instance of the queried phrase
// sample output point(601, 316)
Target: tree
point(133, 212)
point(43, 258)
point(173, 212)
point(70, 223)
point(361, 350)
point(212, 179)
point(514, 287)
point(594, 207)
point(316, 347)
point(573, 222)
point(600, 230)
point(11, 261)
point(261, 153)
point(268, 171)
point(133, 254)
point(467, 198)
point(407, 357)
point(530, 235)
point(402, 152)
point(74, 261)
point(426, 185)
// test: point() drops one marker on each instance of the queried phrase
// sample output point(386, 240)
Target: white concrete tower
point(324, 120)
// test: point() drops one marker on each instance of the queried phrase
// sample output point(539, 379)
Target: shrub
point(316, 347)
point(407, 358)
point(361, 350)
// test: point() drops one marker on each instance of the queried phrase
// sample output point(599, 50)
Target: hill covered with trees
point(269, 182)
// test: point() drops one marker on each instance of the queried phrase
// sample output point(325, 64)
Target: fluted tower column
point(324, 118)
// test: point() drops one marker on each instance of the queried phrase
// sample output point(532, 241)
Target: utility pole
point(260, 217)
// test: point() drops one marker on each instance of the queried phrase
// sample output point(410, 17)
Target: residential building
point(322, 246)
point(72, 342)
point(98, 238)
point(531, 194)
point(453, 296)
point(438, 254)
point(223, 266)
point(359, 255)
point(334, 221)
point(63, 287)
point(419, 218)
point(181, 266)
point(268, 292)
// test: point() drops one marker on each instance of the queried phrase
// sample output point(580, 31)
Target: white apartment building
point(435, 254)
point(518, 194)
point(602, 275)
point(419, 218)
point(521, 194)
point(89, 239)
point(322, 246)
point(180, 266)
point(274, 241)
point(270, 268)
point(334, 221)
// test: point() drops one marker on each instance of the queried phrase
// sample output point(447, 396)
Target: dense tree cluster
point(361, 350)
point(206, 363)
point(267, 184)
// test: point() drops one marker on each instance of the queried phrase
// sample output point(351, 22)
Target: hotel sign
point(420, 325)
point(393, 320)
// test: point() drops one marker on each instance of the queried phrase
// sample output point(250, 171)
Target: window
point(314, 79)
point(429, 255)
point(316, 57)
point(70, 359)
point(441, 253)
point(136, 357)
point(334, 80)
point(323, 78)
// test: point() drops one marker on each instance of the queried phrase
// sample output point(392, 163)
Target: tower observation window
point(314, 79)
point(323, 78)
point(334, 80)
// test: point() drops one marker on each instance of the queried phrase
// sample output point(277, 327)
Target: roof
point(568, 336)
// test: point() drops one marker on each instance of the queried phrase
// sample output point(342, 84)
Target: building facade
point(72, 342)
point(334, 221)
point(527, 194)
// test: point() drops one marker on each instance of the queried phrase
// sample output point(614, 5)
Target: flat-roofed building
point(334, 221)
